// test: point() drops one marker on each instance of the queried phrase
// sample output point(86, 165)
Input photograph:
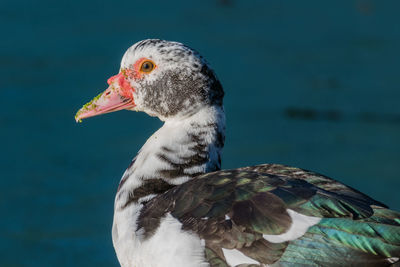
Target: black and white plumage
point(175, 208)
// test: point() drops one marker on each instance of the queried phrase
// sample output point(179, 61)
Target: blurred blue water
point(308, 84)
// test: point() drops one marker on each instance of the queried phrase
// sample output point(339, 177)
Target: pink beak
point(119, 95)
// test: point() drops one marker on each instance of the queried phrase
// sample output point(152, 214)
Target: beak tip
point(78, 116)
point(77, 119)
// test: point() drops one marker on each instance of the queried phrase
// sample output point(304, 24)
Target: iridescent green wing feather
point(233, 209)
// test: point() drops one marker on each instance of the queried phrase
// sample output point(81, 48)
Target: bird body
point(175, 207)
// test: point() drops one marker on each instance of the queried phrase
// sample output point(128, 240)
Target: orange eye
point(147, 66)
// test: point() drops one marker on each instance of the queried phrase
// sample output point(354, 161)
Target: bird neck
point(179, 151)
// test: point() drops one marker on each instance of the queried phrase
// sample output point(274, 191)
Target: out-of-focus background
point(308, 83)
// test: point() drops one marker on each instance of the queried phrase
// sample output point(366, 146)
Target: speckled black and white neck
point(178, 151)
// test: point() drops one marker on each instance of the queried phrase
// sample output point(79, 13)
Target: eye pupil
point(147, 66)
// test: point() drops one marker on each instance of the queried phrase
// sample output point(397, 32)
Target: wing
point(280, 216)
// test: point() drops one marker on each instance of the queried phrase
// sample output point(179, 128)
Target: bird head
point(162, 78)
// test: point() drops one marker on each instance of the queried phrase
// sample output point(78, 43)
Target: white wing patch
point(392, 259)
point(300, 225)
point(234, 257)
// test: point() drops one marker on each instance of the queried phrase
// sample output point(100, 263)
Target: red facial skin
point(120, 80)
point(119, 94)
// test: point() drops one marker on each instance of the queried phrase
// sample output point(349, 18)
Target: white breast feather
point(171, 247)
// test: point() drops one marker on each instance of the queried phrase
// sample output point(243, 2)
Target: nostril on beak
point(108, 93)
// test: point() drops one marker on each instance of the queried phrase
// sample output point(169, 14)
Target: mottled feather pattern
point(177, 151)
point(184, 83)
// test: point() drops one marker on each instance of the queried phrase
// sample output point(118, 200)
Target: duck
point(175, 207)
